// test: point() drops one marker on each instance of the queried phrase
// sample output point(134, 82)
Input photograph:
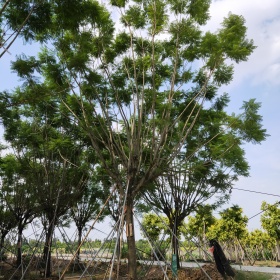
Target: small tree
point(153, 226)
point(270, 221)
point(52, 161)
point(86, 209)
point(261, 244)
point(231, 228)
point(198, 225)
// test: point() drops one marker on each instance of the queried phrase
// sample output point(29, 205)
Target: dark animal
point(221, 261)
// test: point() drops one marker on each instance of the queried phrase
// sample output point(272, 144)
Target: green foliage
point(199, 224)
point(134, 17)
point(260, 244)
point(251, 128)
point(153, 226)
point(270, 219)
point(233, 38)
point(231, 226)
point(118, 3)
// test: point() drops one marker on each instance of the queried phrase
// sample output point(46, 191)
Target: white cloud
point(263, 23)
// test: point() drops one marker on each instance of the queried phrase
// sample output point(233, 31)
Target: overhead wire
point(256, 192)
point(263, 193)
point(278, 202)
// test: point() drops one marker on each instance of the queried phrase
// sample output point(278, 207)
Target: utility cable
point(277, 202)
point(256, 192)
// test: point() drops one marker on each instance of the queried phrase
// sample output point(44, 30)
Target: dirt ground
point(101, 270)
point(156, 273)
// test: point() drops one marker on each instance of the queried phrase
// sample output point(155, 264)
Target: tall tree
point(270, 220)
point(86, 209)
point(7, 223)
point(54, 162)
point(138, 91)
point(209, 165)
point(19, 197)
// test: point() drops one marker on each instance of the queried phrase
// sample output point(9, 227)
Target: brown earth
point(187, 273)
point(100, 270)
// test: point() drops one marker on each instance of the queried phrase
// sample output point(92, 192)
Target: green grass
point(244, 275)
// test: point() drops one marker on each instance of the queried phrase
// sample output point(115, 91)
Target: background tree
point(133, 91)
point(18, 193)
point(270, 220)
point(153, 226)
point(7, 223)
point(54, 162)
point(198, 225)
point(260, 244)
point(86, 209)
point(231, 228)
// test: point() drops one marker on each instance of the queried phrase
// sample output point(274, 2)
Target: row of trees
point(128, 99)
point(230, 229)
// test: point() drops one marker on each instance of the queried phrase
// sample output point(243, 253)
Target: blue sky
point(257, 78)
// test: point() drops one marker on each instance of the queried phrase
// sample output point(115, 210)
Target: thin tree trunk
point(47, 252)
point(80, 230)
point(278, 249)
point(175, 244)
point(203, 241)
point(130, 239)
point(19, 244)
point(2, 242)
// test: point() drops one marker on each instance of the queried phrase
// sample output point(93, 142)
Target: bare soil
point(101, 270)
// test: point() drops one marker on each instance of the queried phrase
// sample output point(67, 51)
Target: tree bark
point(19, 244)
point(174, 242)
point(47, 252)
point(80, 230)
point(130, 239)
point(278, 249)
point(2, 242)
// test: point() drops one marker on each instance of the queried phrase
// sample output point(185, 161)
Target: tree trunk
point(47, 252)
point(130, 239)
point(175, 245)
point(80, 230)
point(278, 249)
point(203, 242)
point(19, 244)
point(2, 242)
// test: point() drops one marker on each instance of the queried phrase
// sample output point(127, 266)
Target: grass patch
point(246, 275)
